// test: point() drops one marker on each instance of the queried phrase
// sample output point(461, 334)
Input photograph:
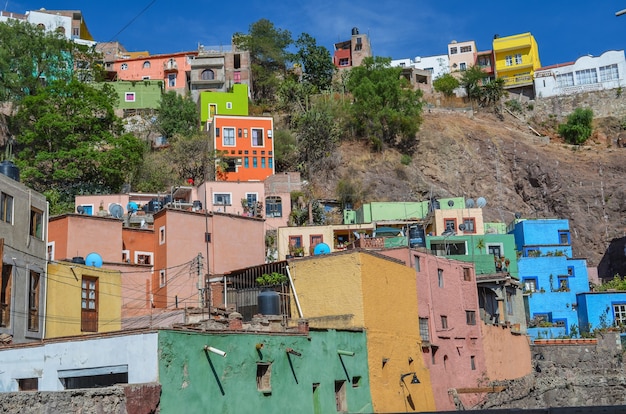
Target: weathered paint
point(507, 356)
point(194, 380)
point(361, 290)
point(63, 313)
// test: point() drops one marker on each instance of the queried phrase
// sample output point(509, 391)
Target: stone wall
point(121, 399)
point(605, 103)
point(568, 375)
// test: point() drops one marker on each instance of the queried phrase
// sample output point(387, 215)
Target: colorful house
point(23, 233)
point(137, 95)
point(219, 68)
point(234, 102)
point(82, 299)
point(350, 53)
point(461, 56)
point(516, 60)
point(364, 290)
point(247, 146)
point(601, 310)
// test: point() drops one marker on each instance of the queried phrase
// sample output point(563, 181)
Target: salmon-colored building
point(365, 290)
point(173, 69)
point(247, 146)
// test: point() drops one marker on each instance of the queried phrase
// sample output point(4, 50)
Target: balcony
point(520, 80)
point(170, 66)
point(379, 243)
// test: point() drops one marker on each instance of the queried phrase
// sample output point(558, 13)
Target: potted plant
point(297, 251)
point(271, 279)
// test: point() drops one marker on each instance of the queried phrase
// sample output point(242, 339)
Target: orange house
point(248, 147)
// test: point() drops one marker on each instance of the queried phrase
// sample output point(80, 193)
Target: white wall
point(438, 65)
point(546, 83)
point(138, 351)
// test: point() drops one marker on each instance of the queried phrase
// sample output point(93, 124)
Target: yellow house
point(517, 58)
point(364, 290)
point(82, 300)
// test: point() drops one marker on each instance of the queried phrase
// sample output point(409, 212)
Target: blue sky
point(564, 30)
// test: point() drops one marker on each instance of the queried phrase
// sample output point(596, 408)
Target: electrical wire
point(133, 20)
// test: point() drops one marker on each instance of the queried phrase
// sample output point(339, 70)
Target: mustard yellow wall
point(63, 299)
point(361, 290)
point(524, 44)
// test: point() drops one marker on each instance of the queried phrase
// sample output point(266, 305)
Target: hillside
point(507, 163)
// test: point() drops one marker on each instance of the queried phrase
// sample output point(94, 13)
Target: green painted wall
point(237, 100)
point(147, 93)
point(378, 211)
point(195, 381)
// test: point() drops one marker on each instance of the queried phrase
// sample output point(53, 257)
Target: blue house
point(550, 276)
point(601, 310)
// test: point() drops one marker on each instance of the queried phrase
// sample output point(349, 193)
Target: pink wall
point(451, 364)
point(78, 235)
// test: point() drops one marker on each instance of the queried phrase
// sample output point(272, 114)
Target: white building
point(69, 23)
point(587, 73)
point(436, 65)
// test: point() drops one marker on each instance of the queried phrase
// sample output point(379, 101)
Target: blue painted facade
point(598, 310)
point(551, 278)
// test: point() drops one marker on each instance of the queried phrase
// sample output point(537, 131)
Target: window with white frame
point(257, 137)
point(162, 235)
point(453, 50)
point(466, 49)
point(222, 199)
point(50, 251)
point(530, 285)
point(129, 97)
point(6, 208)
point(143, 258)
point(619, 310)
point(518, 58)
point(462, 66)
point(146, 65)
point(229, 105)
point(228, 137)
point(251, 199)
point(565, 79)
point(609, 73)
point(126, 256)
point(162, 278)
point(586, 76)
point(508, 60)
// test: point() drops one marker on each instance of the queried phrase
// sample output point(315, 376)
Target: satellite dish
point(80, 210)
point(450, 203)
point(462, 226)
point(518, 215)
point(481, 202)
point(321, 248)
point(116, 210)
point(93, 259)
point(132, 207)
point(469, 203)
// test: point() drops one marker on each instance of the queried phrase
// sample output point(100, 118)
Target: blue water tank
point(269, 302)
point(321, 248)
point(132, 207)
point(10, 170)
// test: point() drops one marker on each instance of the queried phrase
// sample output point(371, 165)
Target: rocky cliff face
point(517, 168)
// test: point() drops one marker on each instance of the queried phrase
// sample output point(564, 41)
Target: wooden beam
point(494, 388)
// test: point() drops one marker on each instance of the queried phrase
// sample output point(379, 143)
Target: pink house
point(173, 69)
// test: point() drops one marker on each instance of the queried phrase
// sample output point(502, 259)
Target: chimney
point(303, 326)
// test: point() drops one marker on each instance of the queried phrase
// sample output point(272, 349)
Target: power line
point(133, 19)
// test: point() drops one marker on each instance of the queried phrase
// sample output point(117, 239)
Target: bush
point(578, 127)
point(514, 106)
point(406, 159)
point(446, 84)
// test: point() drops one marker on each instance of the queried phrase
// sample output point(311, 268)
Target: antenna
point(116, 210)
point(481, 202)
point(462, 226)
point(80, 210)
point(469, 203)
point(518, 215)
point(450, 203)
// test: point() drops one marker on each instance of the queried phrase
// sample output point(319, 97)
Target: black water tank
point(197, 205)
point(355, 31)
point(78, 260)
point(10, 170)
point(269, 302)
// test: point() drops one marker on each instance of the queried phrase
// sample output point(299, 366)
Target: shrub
point(514, 106)
point(446, 84)
point(578, 127)
point(406, 159)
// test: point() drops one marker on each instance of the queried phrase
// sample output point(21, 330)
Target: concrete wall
point(73, 235)
point(202, 381)
point(138, 351)
point(507, 355)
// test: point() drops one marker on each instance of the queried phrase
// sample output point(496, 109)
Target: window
point(444, 322)
point(344, 62)
point(94, 377)
point(470, 225)
point(359, 44)
point(314, 240)
point(162, 235)
point(61, 30)
point(295, 241)
point(273, 207)
point(146, 65)
point(565, 79)
point(237, 77)
point(586, 76)
point(467, 274)
point(494, 249)
point(257, 137)
point(89, 304)
point(449, 224)
point(466, 49)
point(570, 270)
point(171, 80)
point(470, 317)
point(228, 137)
point(237, 61)
point(509, 303)
point(609, 73)
point(126, 256)
point(50, 252)
point(162, 278)
point(143, 258)
point(255, 162)
point(440, 277)
point(340, 396)
point(530, 285)
point(229, 105)
point(508, 60)
point(564, 237)
point(36, 223)
point(6, 208)
point(263, 377)
point(207, 74)
point(462, 66)
point(424, 331)
point(417, 264)
point(246, 162)
point(5, 295)
point(473, 362)
point(28, 384)
point(518, 59)
point(356, 381)
point(75, 31)
point(564, 283)
point(129, 97)
point(262, 162)
point(33, 302)
point(124, 66)
point(270, 162)
point(453, 50)
point(446, 248)
point(619, 311)
point(222, 199)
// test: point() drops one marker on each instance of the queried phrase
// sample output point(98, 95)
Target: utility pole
point(201, 285)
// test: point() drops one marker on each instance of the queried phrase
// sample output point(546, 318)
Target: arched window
point(207, 74)
point(124, 66)
point(41, 26)
point(61, 30)
point(146, 65)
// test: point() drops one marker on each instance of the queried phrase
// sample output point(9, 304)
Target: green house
point(213, 103)
point(143, 94)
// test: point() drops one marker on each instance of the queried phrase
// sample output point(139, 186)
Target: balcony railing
point(518, 80)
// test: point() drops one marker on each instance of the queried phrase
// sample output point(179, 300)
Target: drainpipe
point(295, 294)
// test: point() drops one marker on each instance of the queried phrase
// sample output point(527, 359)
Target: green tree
point(471, 81)
point(578, 127)
point(268, 55)
point(446, 84)
point(318, 137)
point(70, 140)
point(385, 108)
point(31, 57)
point(192, 158)
point(177, 115)
point(317, 65)
point(285, 150)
